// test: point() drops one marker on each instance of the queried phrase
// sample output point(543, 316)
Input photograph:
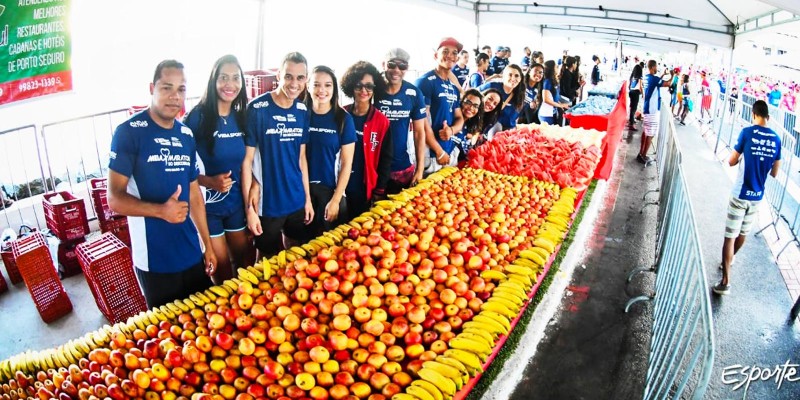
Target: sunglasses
point(467, 103)
point(397, 64)
point(361, 86)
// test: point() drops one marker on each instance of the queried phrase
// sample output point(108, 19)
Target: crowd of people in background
point(282, 168)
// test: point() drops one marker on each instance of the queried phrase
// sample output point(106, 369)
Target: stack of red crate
point(36, 266)
point(109, 221)
point(10, 263)
point(68, 222)
point(108, 268)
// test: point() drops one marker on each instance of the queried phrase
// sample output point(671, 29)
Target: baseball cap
point(398, 54)
point(448, 41)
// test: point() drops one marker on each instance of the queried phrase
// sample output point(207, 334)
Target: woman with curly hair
point(372, 158)
point(512, 95)
point(218, 123)
point(471, 134)
point(331, 136)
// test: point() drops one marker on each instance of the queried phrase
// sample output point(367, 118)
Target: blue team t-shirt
point(228, 155)
point(652, 94)
point(476, 79)
point(496, 65)
point(508, 117)
point(156, 160)
point(526, 62)
point(277, 134)
point(407, 105)
point(325, 139)
point(356, 184)
point(461, 74)
point(530, 96)
point(760, 147)
point(442, 96)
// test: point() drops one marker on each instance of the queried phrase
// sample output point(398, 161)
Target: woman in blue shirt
point(533, 81)
point(549, 96)
point(218, 124)
point(471, 134)
point(512, 95)
point(332, 138)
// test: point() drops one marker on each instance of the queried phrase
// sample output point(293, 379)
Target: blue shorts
point(549, 120)
point(231, 221)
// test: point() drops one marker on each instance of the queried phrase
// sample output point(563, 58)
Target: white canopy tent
point(674, 24)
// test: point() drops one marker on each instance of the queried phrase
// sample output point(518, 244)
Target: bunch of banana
point(493, 275)
point(470, 360)
point(501, 306)
point(431, 391)
point(248, 276)
point(545, 242)
point(520, 270)
point(474, 344)
point(448, 371)
point(535, 255)
point(445, 384)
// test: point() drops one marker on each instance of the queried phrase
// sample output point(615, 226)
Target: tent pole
point(728, 87)
point(260, 35)
point(477, 27)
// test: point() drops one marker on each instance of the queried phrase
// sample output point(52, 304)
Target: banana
point(247, 276)
point(487, 337)
point(196, 300)
point(532, 256)
point(478, 338)
point(446, 385)
point(447, 371)
point(518, 269)
point(525, 281)
point(507, 296)
point(500, 318)
point(545, 244)
point(327, 240)
point(489, 324)
point(470, 360)
point(62, 359)
point(309, 249)
point(282, 258)
point(168, 315)
point(419, 393)
point(429, 387)
point(510, 292)
point(231, 285)
point(220, 290)
point(290, 257)
point(505, 303)
point(473, 346)
point(493, 275)
point(155, 317)
point(174, 308)
point(298, 250)
point(404, 396)
point(183, 306)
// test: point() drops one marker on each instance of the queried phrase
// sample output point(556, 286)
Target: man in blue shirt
point(460, 70)
point(442, 106)
point(404, 105)
point(526, 60)
point(499, 62)
point(153, 180)
point(758, 154)
point(279, 202)
point(652, 106)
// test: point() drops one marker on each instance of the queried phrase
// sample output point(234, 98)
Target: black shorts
point(320, 196)
point(357, 203)
point(162, 288)
point(292, 226)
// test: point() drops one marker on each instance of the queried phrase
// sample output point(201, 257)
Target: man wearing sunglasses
point(404, 106)
point(441, 99)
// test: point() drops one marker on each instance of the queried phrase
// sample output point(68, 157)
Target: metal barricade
point(23, 180)
point(775, 189)
point(682, 346)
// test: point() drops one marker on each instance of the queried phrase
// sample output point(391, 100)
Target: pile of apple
point(387, 306)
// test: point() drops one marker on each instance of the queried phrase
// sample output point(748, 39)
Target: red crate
point(3, 284)
point(108, 268)
point(36, 266)
point(11, 264)
point(68, 264)
point(67, 220)
point(117, 225)
point(99, 192)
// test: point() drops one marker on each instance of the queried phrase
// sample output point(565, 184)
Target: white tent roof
point(711, 22)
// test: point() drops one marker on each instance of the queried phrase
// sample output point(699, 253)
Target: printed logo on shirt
point(138, 124)
point(261, 104)
point(373, 140)
point(432, 78)
point(162, 141)
point(227, 135)
point(186, 131)
point(112, 155)
point(176, 142)
point(174, 161)
point(411, 92)
point(322, 130)
point(301, 106)
point(279, 118)
point(290, 118)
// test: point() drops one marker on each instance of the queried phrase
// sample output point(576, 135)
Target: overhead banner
point(35, 49)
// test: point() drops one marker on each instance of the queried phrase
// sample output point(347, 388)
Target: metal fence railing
point(682, 344)
point(775, 190)
point(62, 155)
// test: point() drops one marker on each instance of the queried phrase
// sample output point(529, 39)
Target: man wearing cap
point(499, 62)
point(441, 99)
point(404, 106)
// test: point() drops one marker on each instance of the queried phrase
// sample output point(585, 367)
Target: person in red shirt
point(705, 106)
